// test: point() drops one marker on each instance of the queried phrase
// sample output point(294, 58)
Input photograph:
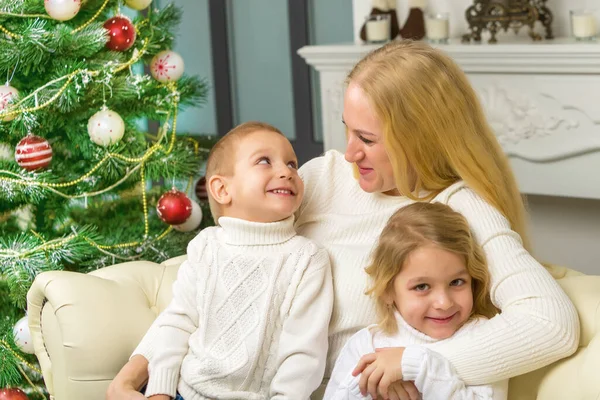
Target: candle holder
point(378, 28)
point(583, 25)
point(496, 15)
point(437, 28)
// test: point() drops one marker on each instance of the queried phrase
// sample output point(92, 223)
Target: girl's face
point(433, 291)
point(365, 143)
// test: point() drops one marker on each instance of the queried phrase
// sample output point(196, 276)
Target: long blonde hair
point(435, 129)
point(415, 226)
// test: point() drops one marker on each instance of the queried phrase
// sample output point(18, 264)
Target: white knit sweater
point(433, 375)
point(538, 324)
point(249, 316)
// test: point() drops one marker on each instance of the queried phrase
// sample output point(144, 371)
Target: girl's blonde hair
point(434, 127)
point(415, 226)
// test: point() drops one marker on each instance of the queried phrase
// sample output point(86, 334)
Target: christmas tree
point(83, 184)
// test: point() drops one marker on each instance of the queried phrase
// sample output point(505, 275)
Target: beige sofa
point(84, 328)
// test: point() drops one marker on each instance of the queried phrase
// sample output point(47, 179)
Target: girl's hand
point(404, 390)
point(379, 370)
point(160, 397)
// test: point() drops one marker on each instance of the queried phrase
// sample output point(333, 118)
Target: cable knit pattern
point(538, 324)
point(244, 287)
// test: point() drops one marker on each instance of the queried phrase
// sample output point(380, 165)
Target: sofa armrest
point(85, 326)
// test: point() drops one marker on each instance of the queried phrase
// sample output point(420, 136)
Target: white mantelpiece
point(542, 99)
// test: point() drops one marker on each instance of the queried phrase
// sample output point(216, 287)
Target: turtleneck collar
point(403, 325)
point(240, 232)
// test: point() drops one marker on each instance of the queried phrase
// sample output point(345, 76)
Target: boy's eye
point(264, 160)
point(457, 282)
point(292, 164)
point(421, 287)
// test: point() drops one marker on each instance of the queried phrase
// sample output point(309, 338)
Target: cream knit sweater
point(249, 316)
point(538, 324)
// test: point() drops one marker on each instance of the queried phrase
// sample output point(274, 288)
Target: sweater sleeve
point(342, 385)
point(537, 325)
point(302, 350)
point(175, 325)
point(434, 377)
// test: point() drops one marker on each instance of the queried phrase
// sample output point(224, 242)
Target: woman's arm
point(538, 323)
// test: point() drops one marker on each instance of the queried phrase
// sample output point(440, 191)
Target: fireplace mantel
point(542, 99)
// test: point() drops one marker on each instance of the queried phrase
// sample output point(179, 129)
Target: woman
point(416, 132)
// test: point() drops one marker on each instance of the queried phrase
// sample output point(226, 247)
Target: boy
point(252, 303)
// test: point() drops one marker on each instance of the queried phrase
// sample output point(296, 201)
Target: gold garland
point(24, 362)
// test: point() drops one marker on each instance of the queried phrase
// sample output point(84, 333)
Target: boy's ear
point(217, 185)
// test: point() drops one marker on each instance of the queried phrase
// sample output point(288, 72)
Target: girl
point(430, 283)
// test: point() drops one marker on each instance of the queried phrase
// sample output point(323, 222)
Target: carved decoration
point(515, 117)
point(496, 15)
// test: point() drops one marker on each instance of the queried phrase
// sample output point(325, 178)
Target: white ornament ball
point(137, 4)
point(106, 127)
point(62, 10)
point(7, 95)
point(193, 221)
point(23, 336)
point(167, 66)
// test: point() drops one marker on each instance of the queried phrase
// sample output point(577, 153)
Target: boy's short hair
point(221, 158)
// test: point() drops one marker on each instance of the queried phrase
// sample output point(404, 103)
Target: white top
point(249, 316)
point(433, 375)
point(538, 324)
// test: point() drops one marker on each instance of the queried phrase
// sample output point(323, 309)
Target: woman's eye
point(264, 160)
point(422, 287)
point(365, 141)
point(457, 282)
point(292, 164)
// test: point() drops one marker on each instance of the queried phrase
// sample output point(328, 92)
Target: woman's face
point(365, 143)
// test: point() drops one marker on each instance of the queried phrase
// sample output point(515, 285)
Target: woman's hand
point(379, 370)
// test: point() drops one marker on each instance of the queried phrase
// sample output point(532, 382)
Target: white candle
point(437, 28)
point(378, 29)
point(583, 24)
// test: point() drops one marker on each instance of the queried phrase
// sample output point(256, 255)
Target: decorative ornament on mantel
point(7, 96)
point(493, 16)
point(33, 153)
point(106, 127)
point(167, 66)
point(138, 4)
point(121, 33)
point(62, 10)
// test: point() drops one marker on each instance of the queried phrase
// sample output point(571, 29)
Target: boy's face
point(265, 186)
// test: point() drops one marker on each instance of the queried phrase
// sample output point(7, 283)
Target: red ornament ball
point(33, 153)
point(12, 394)
point(201, 192)
point(174, 207)
point(121, 33)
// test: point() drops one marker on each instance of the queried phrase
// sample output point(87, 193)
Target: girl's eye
point(292, 164)
point(264, 160)
point(457, 282)
point(365, 141)
point(421, 287)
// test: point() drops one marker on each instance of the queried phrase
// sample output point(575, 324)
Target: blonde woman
point(416, 132)
point(430, 282)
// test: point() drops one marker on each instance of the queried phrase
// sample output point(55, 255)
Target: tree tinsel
point(76, 214)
